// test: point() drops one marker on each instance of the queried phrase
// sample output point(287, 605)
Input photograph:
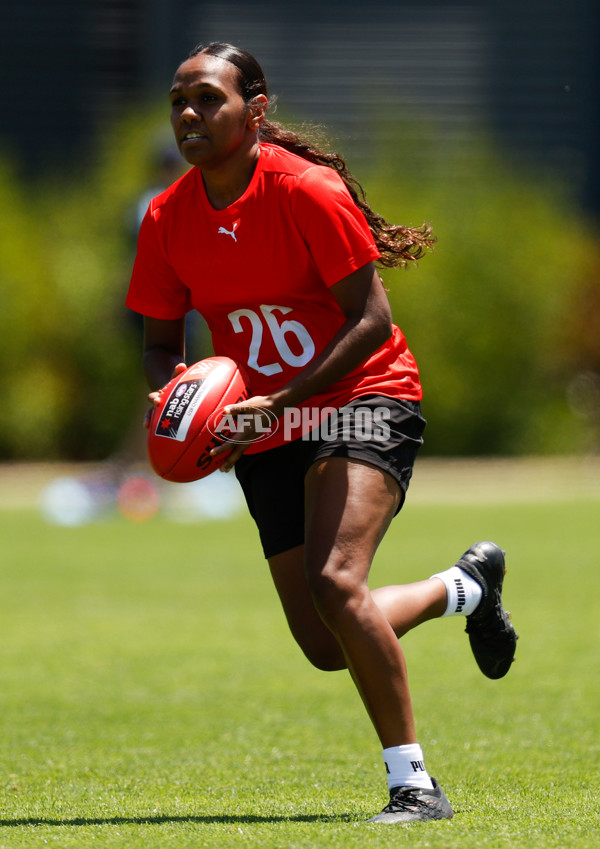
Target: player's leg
point(274, 486)
point(404, 606)
point(407, 605)
point(491, 634)
point(349, 505)
point(308, 629)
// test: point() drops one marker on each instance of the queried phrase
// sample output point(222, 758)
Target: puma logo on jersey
point(231, 232)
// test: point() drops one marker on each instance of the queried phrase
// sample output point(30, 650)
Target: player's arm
point(368, 325)
point(164, 354)
point(363, 300)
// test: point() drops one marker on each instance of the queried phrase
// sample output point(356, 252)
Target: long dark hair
point(397, 245)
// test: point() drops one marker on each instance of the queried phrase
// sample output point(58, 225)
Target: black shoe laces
point(404, 799)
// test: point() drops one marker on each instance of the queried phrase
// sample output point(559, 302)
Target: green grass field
point(152, 697)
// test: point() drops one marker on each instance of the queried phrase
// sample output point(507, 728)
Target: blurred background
point(480, 117)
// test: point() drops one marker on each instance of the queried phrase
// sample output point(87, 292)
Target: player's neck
point(227, 182)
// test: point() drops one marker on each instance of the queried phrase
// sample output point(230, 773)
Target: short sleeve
point(333, 227)
point(155, 290)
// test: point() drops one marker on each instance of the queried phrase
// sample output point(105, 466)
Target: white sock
point(405, 767)
point(463, 592)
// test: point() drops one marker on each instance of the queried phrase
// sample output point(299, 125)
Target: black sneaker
point(492, 637)
point(415, 804)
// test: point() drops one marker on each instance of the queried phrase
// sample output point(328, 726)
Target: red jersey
point(259, 272)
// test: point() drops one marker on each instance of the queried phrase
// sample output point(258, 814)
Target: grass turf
point(151, 695)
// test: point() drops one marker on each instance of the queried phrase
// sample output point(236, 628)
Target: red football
point(182, 427)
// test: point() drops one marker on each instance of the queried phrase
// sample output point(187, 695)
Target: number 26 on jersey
point(247, 319)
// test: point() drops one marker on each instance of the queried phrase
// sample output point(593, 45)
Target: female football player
point(272, 241)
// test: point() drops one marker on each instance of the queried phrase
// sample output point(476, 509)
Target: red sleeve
point(155, 290)
point(334, 229)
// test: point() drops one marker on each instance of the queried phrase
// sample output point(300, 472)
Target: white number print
point(278, 331)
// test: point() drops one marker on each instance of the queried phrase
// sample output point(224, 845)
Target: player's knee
point(334, 592)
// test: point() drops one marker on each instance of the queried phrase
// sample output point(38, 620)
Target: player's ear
point(256, 111)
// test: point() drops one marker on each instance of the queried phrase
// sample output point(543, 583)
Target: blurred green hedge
point(70, 362)
point(498, 316)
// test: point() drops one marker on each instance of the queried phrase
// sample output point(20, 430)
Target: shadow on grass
point(240, 819)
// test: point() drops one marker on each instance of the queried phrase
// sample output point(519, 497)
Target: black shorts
point(384, 432)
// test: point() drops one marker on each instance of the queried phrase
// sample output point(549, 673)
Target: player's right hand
point(154, 397)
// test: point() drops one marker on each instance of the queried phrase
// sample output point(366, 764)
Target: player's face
point(210, 119)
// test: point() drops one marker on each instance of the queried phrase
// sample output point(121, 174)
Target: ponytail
point(397, 245)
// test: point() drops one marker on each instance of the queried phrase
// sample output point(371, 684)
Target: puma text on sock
point(405, 767)
point(464, 593)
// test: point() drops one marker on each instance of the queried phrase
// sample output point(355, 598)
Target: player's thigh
point(349, 505)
